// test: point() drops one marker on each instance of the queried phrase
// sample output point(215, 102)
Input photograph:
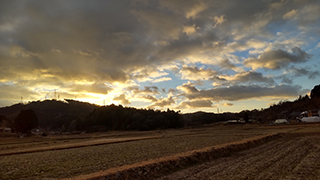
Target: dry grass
point(85, 160)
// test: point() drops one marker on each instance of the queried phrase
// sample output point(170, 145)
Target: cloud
point(147, 90)
point(189, 29)
point(158, 23)
point(149, 98)
point(290, 14)
point(306, 16)
point(303, 72)
point(197, 8)
point(219, 81)
point(172, 91)
point(218, 20)
point(227, 104)
point(14, 92)
point(237, 93)
point(163, 102)
point(276, 59)
point(249, 77)
point(122, 99)
point(144, 74)
point(226, 64)
point(98, 88)
point(252, 77)
point(162, 79)
point(195, 104)
point(195, 73)
point(285, 79)
point(188, 88)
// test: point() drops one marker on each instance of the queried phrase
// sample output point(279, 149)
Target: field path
point(75, 145)
point(283, 158)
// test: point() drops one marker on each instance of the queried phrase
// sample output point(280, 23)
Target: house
point(5, 125)
point(5, 129)
point(313, 112)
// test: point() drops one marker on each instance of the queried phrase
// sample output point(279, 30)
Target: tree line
point(114, 117)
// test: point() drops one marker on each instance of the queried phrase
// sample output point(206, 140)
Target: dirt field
point(285, 158)
point(100, 152)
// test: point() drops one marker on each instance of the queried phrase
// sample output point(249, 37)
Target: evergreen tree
point(25, 121)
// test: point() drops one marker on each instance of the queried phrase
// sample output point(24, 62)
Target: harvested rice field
point(284, 158)
point(90, 153)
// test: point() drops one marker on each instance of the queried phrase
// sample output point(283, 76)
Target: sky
point(187, 55)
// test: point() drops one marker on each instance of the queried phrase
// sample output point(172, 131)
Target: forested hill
point(51, 114)
point(70, 115)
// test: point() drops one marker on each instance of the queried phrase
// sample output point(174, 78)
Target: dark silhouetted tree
point(315, 92)
point(25, 121)
point(246, 117)
point(2, 118)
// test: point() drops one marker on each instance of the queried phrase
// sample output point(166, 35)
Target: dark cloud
point(285, 79)
point(226, 64)
point(236, 93)
point(253, 77)
point(276, 59)
point(195, 104)
point(293, 72)
point(304, 72)
point(218, 79)
point(250, 77)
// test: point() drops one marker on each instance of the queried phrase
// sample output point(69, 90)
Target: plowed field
point(289, 157)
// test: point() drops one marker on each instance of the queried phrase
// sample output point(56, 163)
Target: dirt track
point(75, 145)
point(284, 158)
